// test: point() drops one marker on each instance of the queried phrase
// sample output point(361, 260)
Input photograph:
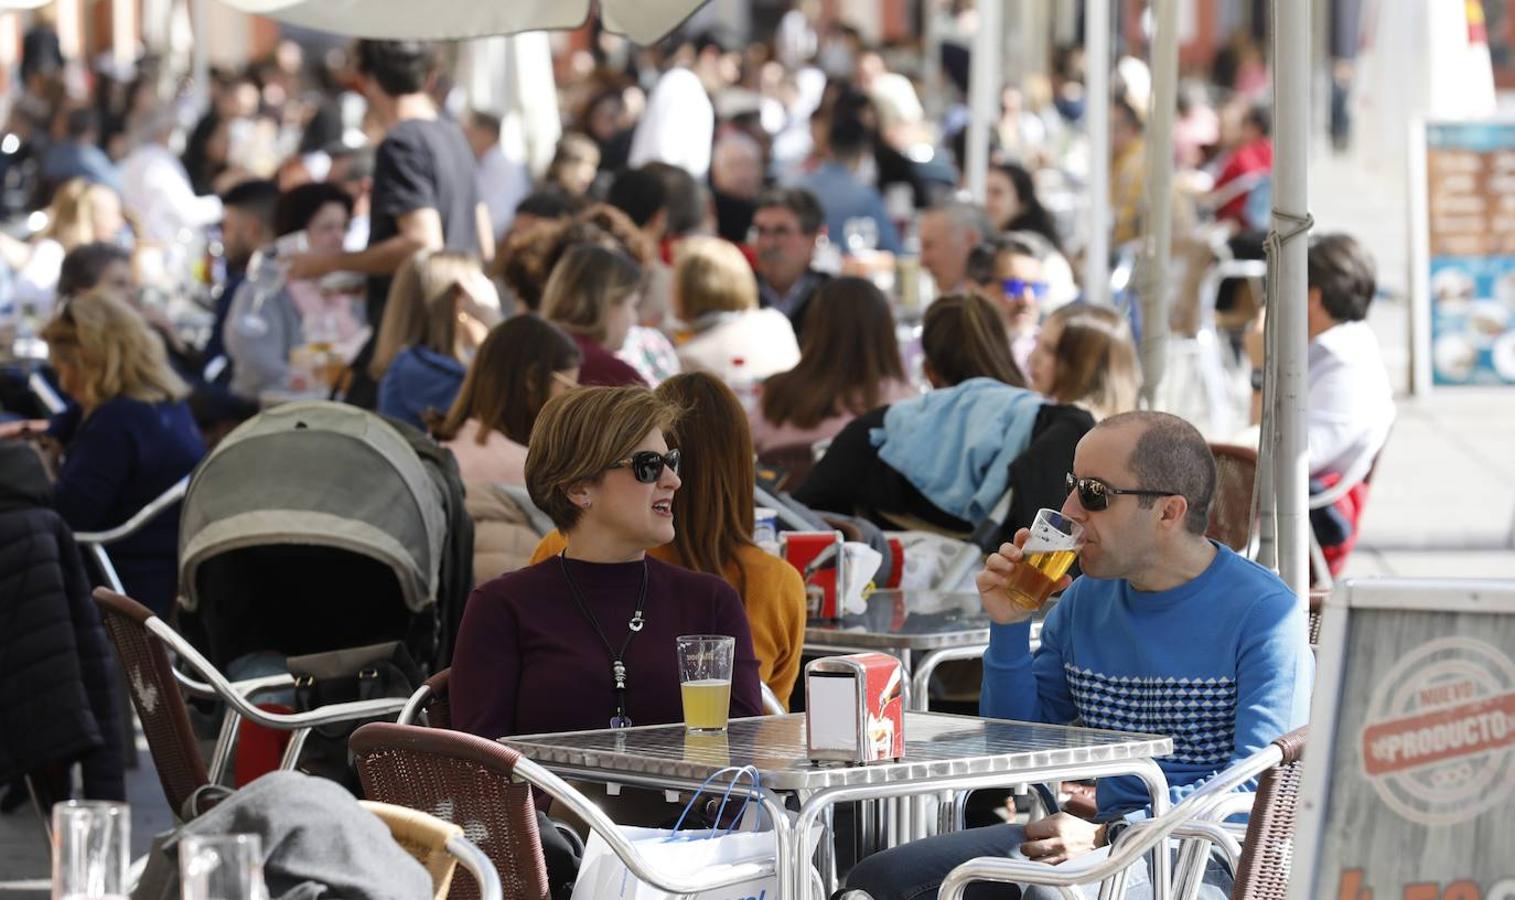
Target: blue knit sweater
point(1221, 664)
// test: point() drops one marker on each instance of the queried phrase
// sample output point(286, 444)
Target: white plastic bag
point(706, 853)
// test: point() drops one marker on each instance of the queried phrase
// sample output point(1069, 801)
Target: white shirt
point(678, 126)
point(1351, 405)
point(762, 339)
point(157, 191)
point(502, 183)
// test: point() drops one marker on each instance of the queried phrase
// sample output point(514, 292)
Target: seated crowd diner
point(738, 472)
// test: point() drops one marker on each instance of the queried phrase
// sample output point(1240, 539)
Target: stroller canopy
point(317, 474)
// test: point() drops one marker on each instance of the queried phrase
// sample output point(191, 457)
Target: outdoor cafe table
point(943, 753)
point(941, 625)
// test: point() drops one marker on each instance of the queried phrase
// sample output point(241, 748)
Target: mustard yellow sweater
point(775, 603)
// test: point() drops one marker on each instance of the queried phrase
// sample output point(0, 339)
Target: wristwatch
point(1257, 379)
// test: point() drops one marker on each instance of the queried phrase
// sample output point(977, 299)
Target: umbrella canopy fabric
point(644, 21)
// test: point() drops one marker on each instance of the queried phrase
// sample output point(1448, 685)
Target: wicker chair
point(1262, 872)
point(1231, 512)
point(1317, 609)
point(487, 788)
point(439, 846)
point(143, 642)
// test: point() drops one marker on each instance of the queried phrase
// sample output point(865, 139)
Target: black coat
point(57, 671)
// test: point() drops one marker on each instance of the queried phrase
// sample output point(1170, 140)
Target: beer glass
point(1049, 552)
point(91, 850)
point(221, 867)
point(705, 680)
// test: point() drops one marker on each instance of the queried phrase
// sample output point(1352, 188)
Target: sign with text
point(1409, 787)
point(1469, 230)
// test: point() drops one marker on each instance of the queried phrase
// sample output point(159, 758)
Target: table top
point(936, 745)
point(907, 620)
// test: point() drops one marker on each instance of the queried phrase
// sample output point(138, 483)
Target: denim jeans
point(915, 871)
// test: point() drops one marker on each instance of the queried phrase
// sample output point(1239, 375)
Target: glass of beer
point(705, 680)
point(1049, 552)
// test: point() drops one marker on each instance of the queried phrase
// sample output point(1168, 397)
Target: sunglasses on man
point(647, 465)
point(1020, 287)
point(1094, 495)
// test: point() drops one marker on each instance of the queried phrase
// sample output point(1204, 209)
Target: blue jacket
point(955, 445)
point(419, 379)
point(122, 456)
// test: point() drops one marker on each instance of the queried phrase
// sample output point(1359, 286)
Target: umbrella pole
point(1287, 280)
point(1097, 120)
point(984, 86)
point(1156, 292)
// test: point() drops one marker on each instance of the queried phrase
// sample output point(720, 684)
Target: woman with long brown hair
point(849, 364)
point(964, 337)
point(713, 518)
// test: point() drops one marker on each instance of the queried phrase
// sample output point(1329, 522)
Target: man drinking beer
point(1166, 632)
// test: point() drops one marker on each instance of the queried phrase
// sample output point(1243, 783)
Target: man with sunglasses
point(1008, 271)
point(1166, 632)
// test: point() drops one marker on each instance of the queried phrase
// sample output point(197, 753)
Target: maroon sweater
point(601, 367)
point(528, 661)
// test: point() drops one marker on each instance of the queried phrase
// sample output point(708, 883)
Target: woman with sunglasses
point(586, 638)
point(713, 518)
point(522, 364)
point(135, 439)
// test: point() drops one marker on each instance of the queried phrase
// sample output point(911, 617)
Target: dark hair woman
point(964, 337)
point(849, 364)
point(1011, 201)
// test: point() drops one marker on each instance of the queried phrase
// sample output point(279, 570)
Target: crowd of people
point(691, 287)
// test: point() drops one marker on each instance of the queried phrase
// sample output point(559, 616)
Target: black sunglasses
point(647, 465)
point(1094, 495)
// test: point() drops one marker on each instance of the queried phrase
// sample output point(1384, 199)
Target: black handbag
point(356, 673)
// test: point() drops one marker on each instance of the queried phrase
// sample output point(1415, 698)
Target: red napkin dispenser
point(855, 708)
point(818, 557)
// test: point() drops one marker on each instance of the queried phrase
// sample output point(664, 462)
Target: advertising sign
point(1409, 789)
point(1466, 233)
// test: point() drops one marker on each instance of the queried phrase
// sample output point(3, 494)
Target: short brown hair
point(585, 284)
point(1171, 455)
point(581, 434)
point(712, 275)
point(113, 350)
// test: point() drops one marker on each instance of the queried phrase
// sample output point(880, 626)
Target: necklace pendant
point(620, 721)
point(636, 623)
point(618, 672)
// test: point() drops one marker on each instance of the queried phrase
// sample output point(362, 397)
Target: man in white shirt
point(1350, 407)
point(156, 189)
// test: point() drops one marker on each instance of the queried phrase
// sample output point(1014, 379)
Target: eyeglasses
point(1019, 287)
point(647, 465)
point(1094, 495)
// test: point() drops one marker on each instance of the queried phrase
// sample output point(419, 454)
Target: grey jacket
point(259, 339)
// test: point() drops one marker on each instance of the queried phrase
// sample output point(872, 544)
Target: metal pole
point(984, 84)
point(1287, 275)
point(200, 24)
point(931, 59)
point(1097, 120)
point(1156, 292)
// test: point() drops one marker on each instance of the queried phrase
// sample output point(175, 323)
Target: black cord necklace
point(617, 658)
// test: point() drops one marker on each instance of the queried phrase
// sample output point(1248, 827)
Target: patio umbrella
point(644, 21)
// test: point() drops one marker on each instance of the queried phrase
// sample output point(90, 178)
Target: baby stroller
point(317, 526)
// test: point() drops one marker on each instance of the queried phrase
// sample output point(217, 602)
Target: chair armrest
point(772, 706)
point(144, 515)
point(470, 857)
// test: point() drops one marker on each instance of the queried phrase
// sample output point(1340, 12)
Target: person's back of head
point(1169, 454)
point(517, 369)
point(547, 203)
point(684, 198)
point(848, 353)
point(108, 350)
point(399, 68)
point(847, 139)
point(640, 193)
point(585, 284)
point(81, 125)
point(711, 275)
point(83, 212)
point(714, 508)
point(420, 310)
point(1343, 271)
point(298, 205)
point(963, 337)
point(248, 221)
point(1094, 360)
point(84, 266)
point(529, 258)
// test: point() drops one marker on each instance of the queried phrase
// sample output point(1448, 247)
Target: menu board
point(1409, 789)
point(1470, 233)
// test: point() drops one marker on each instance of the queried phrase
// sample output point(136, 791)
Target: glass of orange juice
point(705, 680)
